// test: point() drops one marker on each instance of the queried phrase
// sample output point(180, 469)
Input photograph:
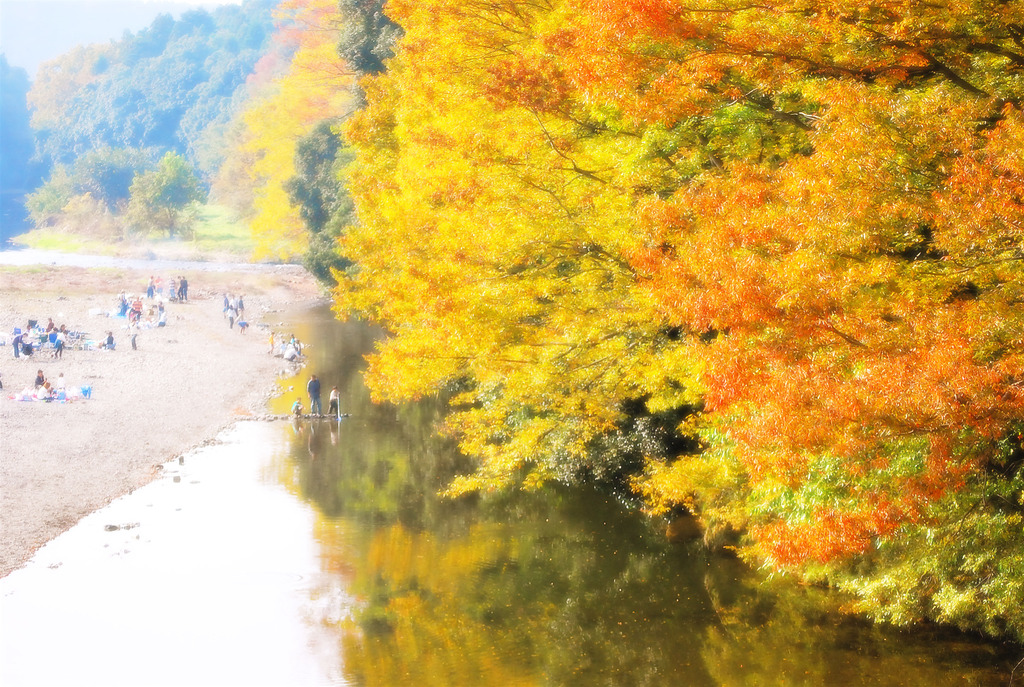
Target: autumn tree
point(770, 250)
point(316, 88)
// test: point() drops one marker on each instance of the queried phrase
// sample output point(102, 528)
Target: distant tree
point(102, 176)
point(149, 42)
point(164, 198)
point(107, 174)
point(46, 204)
point(60, 80)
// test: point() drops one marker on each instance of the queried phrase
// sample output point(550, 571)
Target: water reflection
point(204, 577)
point(318, 553)
point(555, 587)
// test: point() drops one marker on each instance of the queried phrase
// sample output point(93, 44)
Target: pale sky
point(205, 3)
point(36, 31)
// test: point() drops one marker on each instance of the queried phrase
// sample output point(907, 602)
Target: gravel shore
point(184, 383)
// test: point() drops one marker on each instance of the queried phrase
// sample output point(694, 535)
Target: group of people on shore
point(27, 342)
point(287, 347)
point(234, 311)
point(140, 316)
point(136, 313)
point(43, 389)
point(177, 289)
point(313, 390)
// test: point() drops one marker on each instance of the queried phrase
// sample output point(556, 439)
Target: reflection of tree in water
point(553, 587)
point(775, 633)
point(486, 590)
point(564, 587)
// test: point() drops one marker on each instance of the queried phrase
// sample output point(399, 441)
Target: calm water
point(22, 257)
point(318, 553)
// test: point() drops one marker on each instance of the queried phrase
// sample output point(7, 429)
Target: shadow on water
point(555, 587)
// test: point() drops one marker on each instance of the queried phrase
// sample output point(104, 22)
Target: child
point(297, 407)
point(333, 408)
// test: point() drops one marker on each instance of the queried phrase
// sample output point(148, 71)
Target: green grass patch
point(63, 242)
point(219, 230)
point(218, 234)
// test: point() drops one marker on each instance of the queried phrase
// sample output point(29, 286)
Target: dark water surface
point(558, 587)
point(319, 553)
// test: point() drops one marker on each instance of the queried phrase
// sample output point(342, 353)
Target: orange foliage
point(809, 214)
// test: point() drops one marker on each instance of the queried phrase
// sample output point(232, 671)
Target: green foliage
point(368, 36)
point(965, 567)
point(325, 205)
point(162, 87)
point(165, 199)
point(47, 202)
point(104, 175)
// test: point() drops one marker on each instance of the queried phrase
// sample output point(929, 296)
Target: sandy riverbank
point(186, 381)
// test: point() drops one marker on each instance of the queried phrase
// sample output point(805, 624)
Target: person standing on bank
point(333, 403)
point(58, 344)
point(313, 389)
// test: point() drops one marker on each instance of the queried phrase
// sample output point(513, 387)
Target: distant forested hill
point(116, 128)
point(167, 87)
point(35, 31)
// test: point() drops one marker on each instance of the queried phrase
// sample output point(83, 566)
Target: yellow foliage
point(315, 88)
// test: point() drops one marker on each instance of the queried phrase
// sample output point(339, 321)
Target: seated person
point(40, 379)
point(162, 319)
point(44, 393)
point(108, 343)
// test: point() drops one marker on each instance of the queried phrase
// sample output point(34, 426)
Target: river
point(319, 553)
point(23, 257)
